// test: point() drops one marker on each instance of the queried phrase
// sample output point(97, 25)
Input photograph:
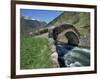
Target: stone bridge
point(59, 35)
point(65, 33)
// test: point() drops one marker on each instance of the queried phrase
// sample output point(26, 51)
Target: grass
point(34, 53)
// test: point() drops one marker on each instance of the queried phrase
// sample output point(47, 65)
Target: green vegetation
point(35, 53)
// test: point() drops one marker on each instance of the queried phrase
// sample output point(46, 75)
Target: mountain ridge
point(28, 25)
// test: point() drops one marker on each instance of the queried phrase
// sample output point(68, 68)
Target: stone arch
point(66, 33)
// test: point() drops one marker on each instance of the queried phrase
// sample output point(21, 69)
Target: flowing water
point(73, 56)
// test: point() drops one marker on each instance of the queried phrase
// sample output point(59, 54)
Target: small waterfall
point(71, 56)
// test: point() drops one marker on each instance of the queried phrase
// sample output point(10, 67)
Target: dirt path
point(42, 35)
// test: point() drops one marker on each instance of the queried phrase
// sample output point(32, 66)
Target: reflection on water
point(72, 56)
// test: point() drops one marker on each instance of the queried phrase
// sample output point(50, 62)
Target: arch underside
point(72, 38)
point(66, 35)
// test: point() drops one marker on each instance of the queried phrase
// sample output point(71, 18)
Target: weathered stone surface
point(54, 54)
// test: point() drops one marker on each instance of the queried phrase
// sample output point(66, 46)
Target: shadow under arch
point(72, 38)
point(69, 31)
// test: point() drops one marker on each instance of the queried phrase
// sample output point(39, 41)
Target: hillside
point(28, 25)
point(81, 21)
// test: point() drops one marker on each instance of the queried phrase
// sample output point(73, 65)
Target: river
point(73, 56)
